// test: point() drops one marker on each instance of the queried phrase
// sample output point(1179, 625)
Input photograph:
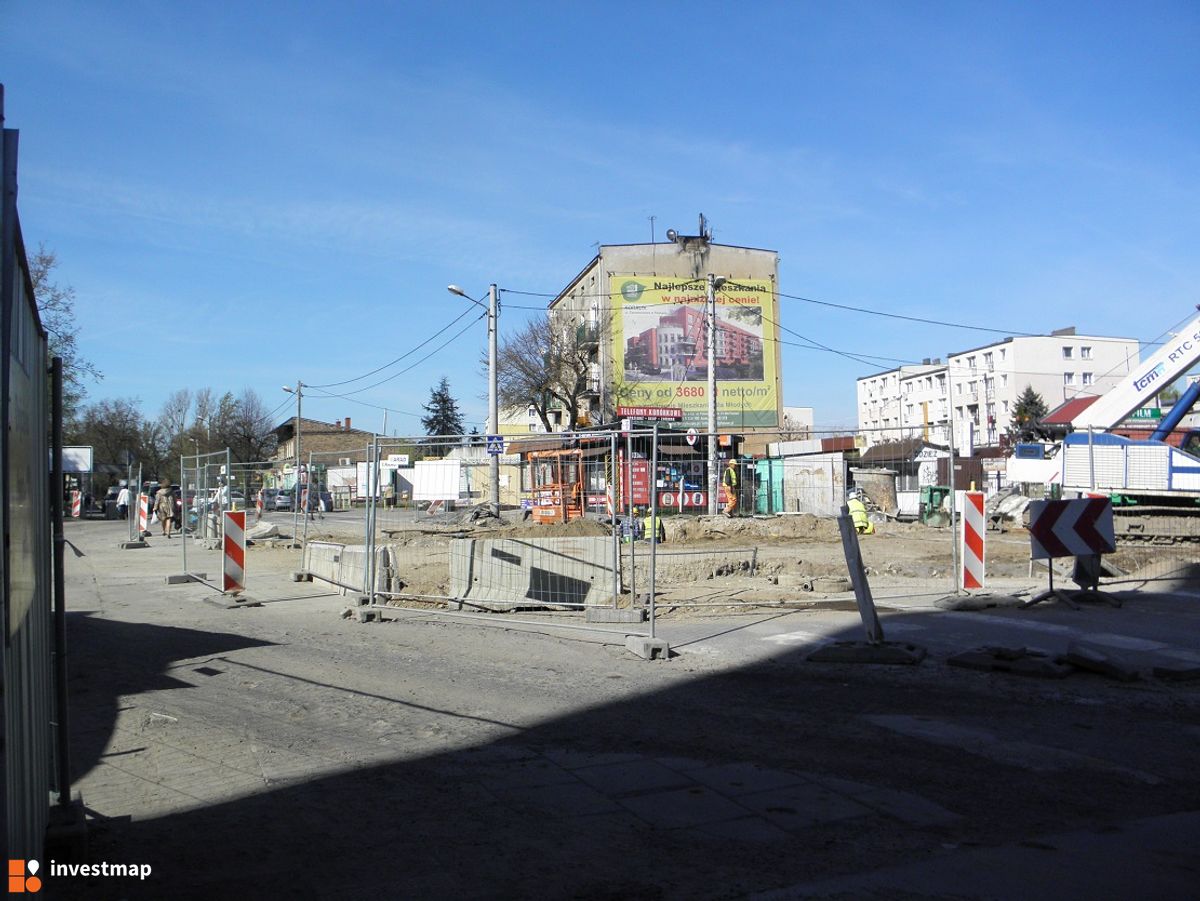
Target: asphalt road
point(282, 750)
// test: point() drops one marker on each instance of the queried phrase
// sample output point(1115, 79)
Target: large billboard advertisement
point(660, 348)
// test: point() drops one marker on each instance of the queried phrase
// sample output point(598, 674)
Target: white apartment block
point(977, 389)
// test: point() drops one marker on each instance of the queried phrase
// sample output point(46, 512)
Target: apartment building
point(640, 311)
point(976, 390)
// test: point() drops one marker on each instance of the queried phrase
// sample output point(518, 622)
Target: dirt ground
point(761, 560)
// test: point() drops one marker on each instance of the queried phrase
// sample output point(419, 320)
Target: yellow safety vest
point(858, 514)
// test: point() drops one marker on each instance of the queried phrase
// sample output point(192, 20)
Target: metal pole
point(493, 395)
point(296, 484)
point(614, 473)
point(653, 520)
point(308, 500)
point(183, 489)
point(956, 575)
point(61, 712)
point(629, 513)
point(711, 351)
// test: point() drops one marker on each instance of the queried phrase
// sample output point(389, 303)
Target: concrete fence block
point(533, 571)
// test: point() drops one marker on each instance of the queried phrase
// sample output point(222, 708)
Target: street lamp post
point(493, 425)
point(711, 349)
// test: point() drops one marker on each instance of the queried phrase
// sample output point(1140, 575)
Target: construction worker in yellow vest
point(654, 529)
point(858, 515)
point(730, 481)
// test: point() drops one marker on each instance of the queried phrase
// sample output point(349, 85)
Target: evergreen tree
point(444, 418)
point(1026, 416)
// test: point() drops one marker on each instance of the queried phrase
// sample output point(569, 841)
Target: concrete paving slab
point(632, 776)
point(735, 779)
point(804, 806)
point(910, 808)
point(557, 800)
point(571, 760)
point(684, 807)
point(750, 829)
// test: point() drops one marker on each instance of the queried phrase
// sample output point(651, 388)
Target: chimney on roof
point(925, 362)
point(347, 426)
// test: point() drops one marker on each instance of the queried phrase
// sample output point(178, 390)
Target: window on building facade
point(1085, 353)
point(1002, 353)
point(971, 363)
point(987, 362)
point(1004, 380)
point(1004, 407)
point(1068, 378)
point(1088, 378)
point(1067, 352)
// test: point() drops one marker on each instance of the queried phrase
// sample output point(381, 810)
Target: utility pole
point(711, 351)
point(493, 395)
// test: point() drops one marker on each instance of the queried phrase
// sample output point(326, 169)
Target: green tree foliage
point(443, 418)
point(1026, 416)
point(56, 307)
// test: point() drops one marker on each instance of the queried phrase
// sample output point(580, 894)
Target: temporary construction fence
point(425, 540)
point(33, 650)
point(214, 495)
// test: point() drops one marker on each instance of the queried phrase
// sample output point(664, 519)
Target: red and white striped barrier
point(234, 570)
point(77, 504)
point(143, 514)
point(974, 528)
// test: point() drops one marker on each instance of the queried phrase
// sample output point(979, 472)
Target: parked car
point(283, 500)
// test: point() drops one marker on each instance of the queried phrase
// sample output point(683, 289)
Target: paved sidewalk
point(283, 750)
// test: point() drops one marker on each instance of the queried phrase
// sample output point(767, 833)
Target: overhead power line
point(407, 353)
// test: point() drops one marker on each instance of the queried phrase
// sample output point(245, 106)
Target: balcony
point(587, 334)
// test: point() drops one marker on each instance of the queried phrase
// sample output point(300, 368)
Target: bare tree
point(242, 425)
point(544, 362)
point(115, 430)
point(56, 307)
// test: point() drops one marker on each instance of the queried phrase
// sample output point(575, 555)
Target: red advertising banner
point(641, 482)
point(674, 413)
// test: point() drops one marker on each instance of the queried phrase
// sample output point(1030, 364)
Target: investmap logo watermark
point(25, 876)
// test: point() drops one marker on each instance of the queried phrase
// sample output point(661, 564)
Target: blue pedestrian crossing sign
point(495, 444)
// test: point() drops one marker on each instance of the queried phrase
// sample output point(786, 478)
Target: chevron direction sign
point(1071, 528)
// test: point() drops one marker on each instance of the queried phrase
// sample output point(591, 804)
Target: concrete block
point(1096, 661)
point(1016, 661)
point(302, 577)
point(130, 545)
point(524, 572)
point(185, 578)
point(886, 652)
point(648, 648)
point(614, 615)
point(1177, 672)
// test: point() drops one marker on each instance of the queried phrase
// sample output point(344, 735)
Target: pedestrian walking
point(164, 508)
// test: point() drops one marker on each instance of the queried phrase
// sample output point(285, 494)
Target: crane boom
point(1154, 373)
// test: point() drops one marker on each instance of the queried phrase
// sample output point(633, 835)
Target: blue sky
point(247, 195)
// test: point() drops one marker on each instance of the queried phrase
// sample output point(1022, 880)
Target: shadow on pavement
point(738, 782)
